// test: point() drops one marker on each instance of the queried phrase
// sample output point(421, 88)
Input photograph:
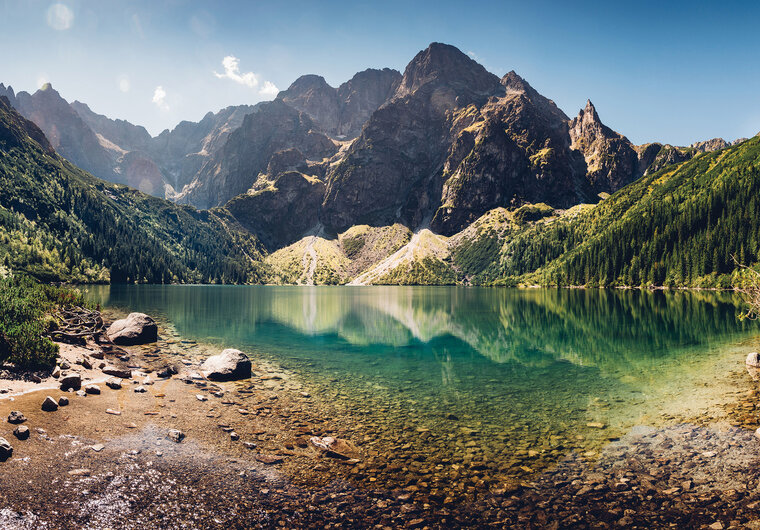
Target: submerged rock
point(122, 373)
point(16, 417)
point(21, 432)
point(137, 328)
point(6, 449)
point(753, 359)
point(176, 435)
point(50, 404)
point(229, 365)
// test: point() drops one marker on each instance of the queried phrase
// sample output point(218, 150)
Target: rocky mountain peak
point(447, 65)
point(714, 144)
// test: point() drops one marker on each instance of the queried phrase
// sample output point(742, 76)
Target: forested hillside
point(59, 223)
point(681, 226)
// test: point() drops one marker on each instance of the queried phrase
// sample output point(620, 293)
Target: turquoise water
point(526, 370)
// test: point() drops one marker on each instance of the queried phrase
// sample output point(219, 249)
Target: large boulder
point(137, 328)
point(229, 365)
point(71, 380)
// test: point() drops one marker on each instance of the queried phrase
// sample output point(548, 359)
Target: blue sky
point(673, 72)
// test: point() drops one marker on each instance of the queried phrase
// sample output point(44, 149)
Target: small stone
point(269, 459)
point(717, 525)
point(6, 449)
point(81, 472)
point(176, 435)
point(92, 389)
point(595, 425)
point(50, 404)
point(81, 393)
point(113, 412)
point(140, 389)
point(98, 447)
point(249, 445)
point(16, 417)
point(234, 436)
point(147, 381)
point(65, 365)
point(753, 359)
point(21, 432)
point(114, 383)
point(201, 397)
point(56, 372)
point(63, 401)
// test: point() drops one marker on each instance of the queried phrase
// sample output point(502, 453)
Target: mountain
point(272, 127)
point(120, 152)
point(341, 112)
point(59, 223)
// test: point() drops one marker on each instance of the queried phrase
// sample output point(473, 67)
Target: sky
point(667, 71)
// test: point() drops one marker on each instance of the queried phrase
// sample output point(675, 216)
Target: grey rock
point(137, 328)
point(63, 401)
point(140, 389)
point(16, 417)
point(753, 359)
point(176, 435)
point(71, 380)
point(229, 365)
point(50, 404)
point(122, 373)
point(92, 389)
point(21, 432)
point(114, 383)
point(6, 449)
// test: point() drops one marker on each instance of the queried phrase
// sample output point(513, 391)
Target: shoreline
point(284, 472)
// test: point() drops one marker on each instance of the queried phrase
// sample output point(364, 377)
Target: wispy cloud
point(159, 98)
point(231, 66)
point(59, 17)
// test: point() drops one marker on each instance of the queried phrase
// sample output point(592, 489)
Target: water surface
point(519, 377)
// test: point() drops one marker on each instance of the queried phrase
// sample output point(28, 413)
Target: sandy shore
point(246, 461)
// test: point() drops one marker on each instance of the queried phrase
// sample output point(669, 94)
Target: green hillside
point(59, 223)
point(677, 227)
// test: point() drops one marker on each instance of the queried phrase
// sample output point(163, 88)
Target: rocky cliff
point(273, 127)
point(341, 112)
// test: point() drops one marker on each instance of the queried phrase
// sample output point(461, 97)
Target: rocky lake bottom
point(676, 451)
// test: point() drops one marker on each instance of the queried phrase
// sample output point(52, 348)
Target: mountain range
point(422, 177)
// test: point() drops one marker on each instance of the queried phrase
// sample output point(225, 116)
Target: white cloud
point(232, 71)
point(231, 66)
point(159, 98)
point(269, 89)
point(473, 55)
point(60, 17)
point(124, 85)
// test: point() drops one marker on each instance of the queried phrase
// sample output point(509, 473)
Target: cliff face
point(390, 173)
point(233, 170)
point(341, 112)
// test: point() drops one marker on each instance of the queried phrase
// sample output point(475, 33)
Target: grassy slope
point(59, 223)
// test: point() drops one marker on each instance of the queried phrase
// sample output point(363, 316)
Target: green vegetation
point(425, 271)
point(59, 223)
point(677, 227)
point(533, 212)
point(24, 305)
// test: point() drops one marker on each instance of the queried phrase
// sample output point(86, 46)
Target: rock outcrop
point(279, 211)
point(137, 328)
point(341, 112)
point(229, 365)
point(274, 127)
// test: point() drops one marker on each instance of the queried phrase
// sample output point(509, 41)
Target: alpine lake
point(458, 390)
